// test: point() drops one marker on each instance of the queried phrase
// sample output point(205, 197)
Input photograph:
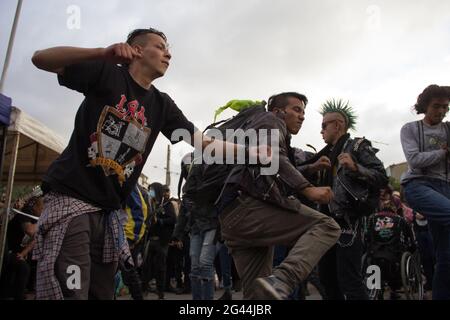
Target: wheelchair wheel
point(412, 276)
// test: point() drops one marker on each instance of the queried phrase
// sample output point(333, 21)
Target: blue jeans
point(203, 252)
point(431, 197)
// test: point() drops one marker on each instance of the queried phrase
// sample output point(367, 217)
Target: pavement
point(218, 293)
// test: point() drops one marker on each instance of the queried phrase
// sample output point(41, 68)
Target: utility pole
point(168, 166)
point(10, 45)
point(4, 212)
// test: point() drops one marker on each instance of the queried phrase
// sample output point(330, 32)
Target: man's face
point(155, 54)
point(166, 194)
point(436, 110)
point(294, 114)
point(384, 195)
point(330, 127)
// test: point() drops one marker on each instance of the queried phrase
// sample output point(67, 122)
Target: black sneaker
point(237, 285)
point(271, 288)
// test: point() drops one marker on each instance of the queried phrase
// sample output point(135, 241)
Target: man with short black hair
point(115, 129)
point(263, 211)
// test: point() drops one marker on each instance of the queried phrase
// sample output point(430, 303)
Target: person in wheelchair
point(388, 237)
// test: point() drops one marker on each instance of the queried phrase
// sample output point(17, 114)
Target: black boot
point(227, 295)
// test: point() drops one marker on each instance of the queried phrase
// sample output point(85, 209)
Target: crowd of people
point(320, 214)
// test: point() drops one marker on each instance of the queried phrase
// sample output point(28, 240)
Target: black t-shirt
point(115, 129)
point(16, 232)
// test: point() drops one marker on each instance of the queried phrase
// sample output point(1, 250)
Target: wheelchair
point(401, 270)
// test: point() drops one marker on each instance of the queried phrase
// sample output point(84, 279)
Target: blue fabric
point(202, 253)
point(431, 197)
point(5, 109)
point(134, 203)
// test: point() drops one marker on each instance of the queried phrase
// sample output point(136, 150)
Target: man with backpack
point(355, 175)
point(259, 211)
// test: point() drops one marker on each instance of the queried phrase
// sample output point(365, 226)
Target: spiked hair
point(341, 107)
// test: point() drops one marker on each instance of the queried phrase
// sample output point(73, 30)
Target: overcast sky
point(379, 55)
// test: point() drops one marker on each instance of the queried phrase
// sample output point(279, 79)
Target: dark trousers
point(174, 266)
point(130, 274)
point(82, 247)
point(15, 275)
point(156, 264)
point(186, 263)
point(340, 270)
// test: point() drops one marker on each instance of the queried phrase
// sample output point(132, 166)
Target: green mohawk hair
point(339, 106)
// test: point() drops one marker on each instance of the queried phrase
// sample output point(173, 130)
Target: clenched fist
point(321, 195)
point(346, 161)
point(120, 53)
point(323, 163)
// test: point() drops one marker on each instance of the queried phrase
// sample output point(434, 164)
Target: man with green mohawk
point(355, 175)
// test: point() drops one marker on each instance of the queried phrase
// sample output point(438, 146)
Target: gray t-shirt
point(432, 162)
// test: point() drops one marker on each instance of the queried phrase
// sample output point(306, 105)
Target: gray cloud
point(377, 54)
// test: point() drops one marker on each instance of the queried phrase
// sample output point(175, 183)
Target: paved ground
point(236, 295)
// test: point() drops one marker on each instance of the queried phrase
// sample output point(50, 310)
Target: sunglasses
point(326, 123)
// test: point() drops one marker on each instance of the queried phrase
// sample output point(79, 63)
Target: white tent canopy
point(38, 146)
point(30, 148)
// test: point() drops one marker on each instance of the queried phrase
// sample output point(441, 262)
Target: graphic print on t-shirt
point(435, 142)
point(119, 142)
point(384, 227)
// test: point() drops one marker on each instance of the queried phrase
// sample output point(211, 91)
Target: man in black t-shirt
point(79, 241)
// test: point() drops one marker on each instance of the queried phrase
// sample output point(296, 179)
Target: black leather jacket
point(352, 187)
point(196, 216)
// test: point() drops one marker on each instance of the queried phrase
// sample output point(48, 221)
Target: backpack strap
point(213, 125)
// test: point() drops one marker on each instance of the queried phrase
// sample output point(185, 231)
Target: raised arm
point(57, 58)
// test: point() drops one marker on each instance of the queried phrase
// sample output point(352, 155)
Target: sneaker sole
point(267, 290)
